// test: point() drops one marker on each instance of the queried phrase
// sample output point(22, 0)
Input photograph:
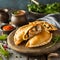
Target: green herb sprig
point(1, 58)
point(44, 8)
point(3, 51)
point(55, 39)
point(3, 37)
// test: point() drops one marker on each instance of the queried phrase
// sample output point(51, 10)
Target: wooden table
point(18, 56)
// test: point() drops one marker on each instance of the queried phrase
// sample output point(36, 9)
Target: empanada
point(32, 30)
point(40, 39)
point(26, 32)
point(47, 26)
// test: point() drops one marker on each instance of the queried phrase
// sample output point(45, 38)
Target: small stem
point(35, 2)
point(54, 42)
point(51, 45)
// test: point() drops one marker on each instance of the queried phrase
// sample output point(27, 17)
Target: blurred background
point(21, 4)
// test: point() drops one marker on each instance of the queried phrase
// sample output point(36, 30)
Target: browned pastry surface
point(40, 39)
point(25, 32)
point(37, 33)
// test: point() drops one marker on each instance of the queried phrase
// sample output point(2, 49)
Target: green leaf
point(3, 51)
point(1, 58)
point(41, 8)
point(3, 37)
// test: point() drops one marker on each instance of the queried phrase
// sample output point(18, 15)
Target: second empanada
point(40, 39)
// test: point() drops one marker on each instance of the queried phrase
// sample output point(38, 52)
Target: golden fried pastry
point(26, 32)
point(47, 26)
point(37, 33)
point(40, 39)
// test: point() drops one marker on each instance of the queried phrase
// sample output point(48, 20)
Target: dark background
point(20, 4)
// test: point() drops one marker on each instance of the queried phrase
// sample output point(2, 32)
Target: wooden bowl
point(32, 51)
point(37, 15)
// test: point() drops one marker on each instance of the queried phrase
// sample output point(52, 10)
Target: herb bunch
point(55, 39)
point(44, 8)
